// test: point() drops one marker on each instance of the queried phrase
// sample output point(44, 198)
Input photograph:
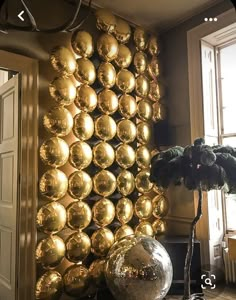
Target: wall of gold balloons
point(114, 92)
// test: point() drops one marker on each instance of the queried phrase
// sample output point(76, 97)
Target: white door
point(8, 187)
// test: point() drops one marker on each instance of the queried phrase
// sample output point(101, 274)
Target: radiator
point(230, 267)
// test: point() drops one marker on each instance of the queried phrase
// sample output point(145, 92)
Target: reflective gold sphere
point(145, 110)
point(158, 190)
point(126, 131)
point(160, 206)
point(143, 132)
point(142, 86)
point(124, 57)
point(153, 68)
point(140, 62)
point(54, 152)
point(124, 210)
point(125, 156)
point(142, 181)
point(144, 228)
point(58, 121)
point(159, 227)
point(107, 102)
point(154, 91)
point(143, 207)
point(105, 128)
point(63, 61)
point(143, 157)
point(122, 31)
point(140, 39)
point(103, 155)
point(78, 247)
point(106, 74)
point(104, 183)
point(83, 126)
point(81, 155)
point(103, 212)
point(86, 99)
point(159, 112)
point(153, 47)
point(82, 43)
point(49, 286)
point(62, 90)
point(50, 252)
point(85, 71)
point(125, 81)
point(79, 215)
point(107, 47)
point(96, 272)
point(51, 218)
point(125, 182)
point(127, 106)
point(53, 184)
point(80, 185)
point(123, 231)
point(106, 21)
point(102, 240)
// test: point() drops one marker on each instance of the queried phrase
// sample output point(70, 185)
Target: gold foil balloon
point(49, 286)
point(85, 71)
point(153, 68)
point(58, 121)
point(102, 240)
point(105, 128)
point(86, 99)
point(123, 231)
point(125, 182)
point(153, 47)
point(96, 272)
point(107, 102)
point(142, 86)
point(103, 212)
point(103, 155)
point(143, 207)
point(124, 210)
point(106, 74)
point(79, 215)
point(154, 91)
point(54, 152)
point(104, 183)
point(78, 247)
point(159, 112)
point(160, 206)
point(51, 218)
point(124, 57)
point(126, 131)
point(140, 39)
point(143, 157)
point(125, 156)
point(122, 31)
point(140, 62)
point(63, 90)
point(159, 227)
point(81, 155)
point(83, 126)
point(106, 21)
point(143, 132)
point(142, 181)
point(63, 61)
point(50, 252)
point(80, 185)
point(145, 110)
point(76, 280)
point(144, 228)
point(82, 43)
point(107, 47)
point(53, 184)
point(125, 81)
point(127, 106)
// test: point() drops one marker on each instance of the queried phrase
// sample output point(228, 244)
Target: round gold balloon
point(82, 43)
point(125, 81)
point(104, 183)
point(127, 106)
point(125, 156)
point(153, 47)
point(54, 152)
point(125, 182)
point(124, 210)
point(103, 155)
point(50, 252)
point(159, 227)
point(103, 212)
point(63, 61)
point(80, 185)
point(144, 228)
point(154, 91)
point(86, 99)
point(106, 74)
point(140, 62)
point(96, 272)
point(126, 131)
point(51, 218)
point(142, 181)
point(53, 184)
point(107, 47)
point(105, 128)
point(85, 71)
point(145, 111)
point(140, 39)
point(102, 240)
point(122, 31)
point(58, 121)
point(106, 21)
point(79, 215)
point(83, 126)
point(160, 206)
point(76, 280)
point(81, 155)
point(143, 157)
point(124, 57)
point(143, 207)
point(123, 231)
point(49, 286)
point(143, 132)
point(63, 90)
point(78, 247)
point(142, 86)
point(107, 102)
point(153, 68)
point(159, 112)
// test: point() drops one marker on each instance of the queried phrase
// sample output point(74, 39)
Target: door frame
point(28, 171)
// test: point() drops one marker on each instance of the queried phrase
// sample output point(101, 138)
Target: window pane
point(229, 141)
